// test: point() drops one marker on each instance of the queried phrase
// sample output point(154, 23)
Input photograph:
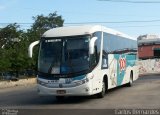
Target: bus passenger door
point(112, 69)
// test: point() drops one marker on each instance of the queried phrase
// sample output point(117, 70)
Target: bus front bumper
point(81, 90)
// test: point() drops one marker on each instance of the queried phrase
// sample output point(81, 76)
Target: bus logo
point(122, 63)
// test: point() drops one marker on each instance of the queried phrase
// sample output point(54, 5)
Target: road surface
point(144, 94)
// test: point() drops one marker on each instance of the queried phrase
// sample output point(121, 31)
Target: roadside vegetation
point(14, 42)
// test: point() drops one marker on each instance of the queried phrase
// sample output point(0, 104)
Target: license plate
point(61, 91)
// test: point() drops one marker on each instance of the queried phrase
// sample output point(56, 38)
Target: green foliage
point(4, 60)
point(14, 42)
point(43, 23)
point(9, 33)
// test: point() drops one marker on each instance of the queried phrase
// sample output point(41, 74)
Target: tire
point(130, 80)
point(103, 92)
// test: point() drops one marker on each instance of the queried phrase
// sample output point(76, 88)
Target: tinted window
point(114, 43)
point(64, 55)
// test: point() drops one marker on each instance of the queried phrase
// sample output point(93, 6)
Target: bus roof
point(81, 30)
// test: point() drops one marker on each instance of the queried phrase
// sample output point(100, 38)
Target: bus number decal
point(122, 63)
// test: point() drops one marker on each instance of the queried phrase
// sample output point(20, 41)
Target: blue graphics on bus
point(123, 61)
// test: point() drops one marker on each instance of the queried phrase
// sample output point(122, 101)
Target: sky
point(134, 19)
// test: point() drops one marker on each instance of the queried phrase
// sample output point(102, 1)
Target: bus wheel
point(130, 80)
point(103, 92)
point(59, 98)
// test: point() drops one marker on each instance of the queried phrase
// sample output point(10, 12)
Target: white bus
point(84, 60)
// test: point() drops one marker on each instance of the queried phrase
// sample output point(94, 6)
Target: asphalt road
point(144, 94)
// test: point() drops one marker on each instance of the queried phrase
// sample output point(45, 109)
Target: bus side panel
point(97, 80)
point(125, 64)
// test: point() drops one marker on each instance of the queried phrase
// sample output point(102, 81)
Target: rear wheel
point(103, 92)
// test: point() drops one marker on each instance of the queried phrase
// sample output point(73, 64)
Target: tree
point(4, 61)
point(12, 53)
point(43, 23)
point(8, 34)
point(14, 42)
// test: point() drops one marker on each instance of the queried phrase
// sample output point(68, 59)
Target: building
point(148, 46)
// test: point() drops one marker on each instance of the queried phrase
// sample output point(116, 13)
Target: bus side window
point(104, 60)
point(106, 49)
point(94, 58)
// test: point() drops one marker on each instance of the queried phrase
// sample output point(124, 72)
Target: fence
point(11, 75)
point(149, 66)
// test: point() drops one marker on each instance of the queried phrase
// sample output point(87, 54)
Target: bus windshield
point(64, 55)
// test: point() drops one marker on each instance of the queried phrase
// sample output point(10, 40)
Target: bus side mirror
point(31, 46)
point(91, 45)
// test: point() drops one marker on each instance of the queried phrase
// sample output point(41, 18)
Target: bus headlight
point(82, 82)
point(41, 83)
